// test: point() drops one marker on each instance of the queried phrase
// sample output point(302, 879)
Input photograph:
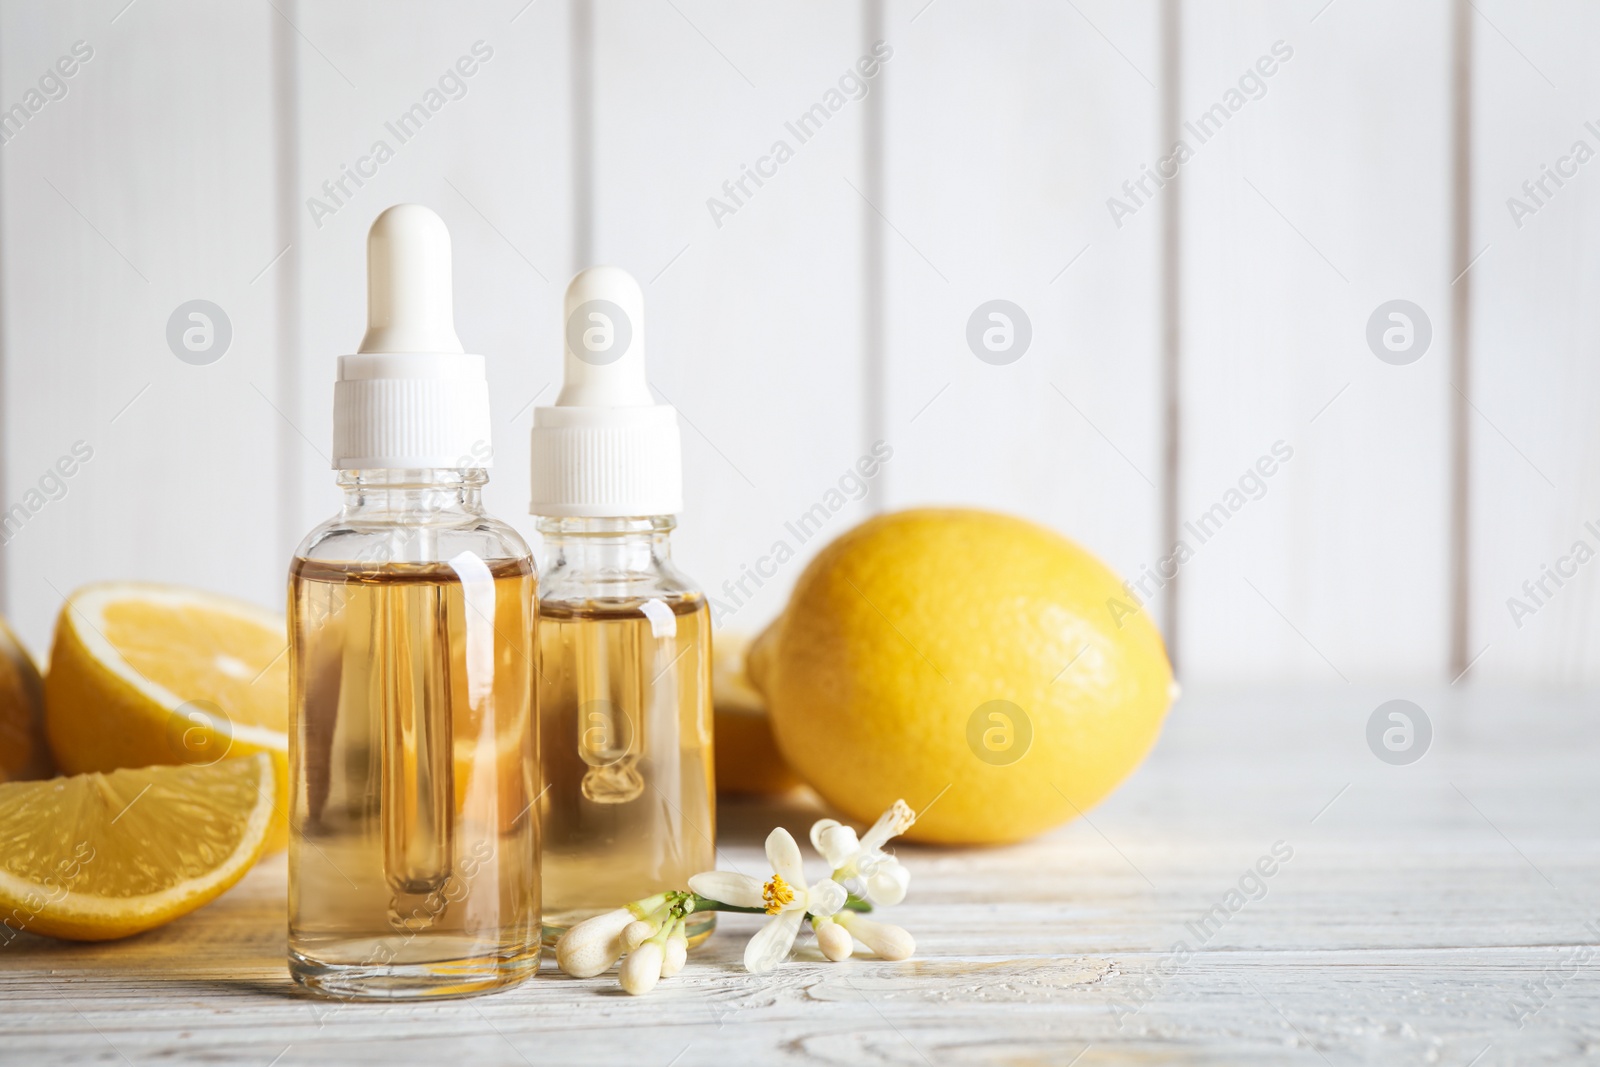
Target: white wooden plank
point(754, 316)
point(1324, 194)
point(1008, 127)
point(148, 184)
point(1402, 927)
point(1535, 381)
point(491, 157)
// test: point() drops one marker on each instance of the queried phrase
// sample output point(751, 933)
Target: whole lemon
point(986, 669)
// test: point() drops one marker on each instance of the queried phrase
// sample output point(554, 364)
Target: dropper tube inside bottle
point(409, 313)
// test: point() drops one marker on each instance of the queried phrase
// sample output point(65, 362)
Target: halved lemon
point(143, 674)
point(99, 856)
point(23, 751)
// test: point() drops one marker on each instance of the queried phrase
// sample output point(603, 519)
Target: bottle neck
point(413, 497)
point(615, 546)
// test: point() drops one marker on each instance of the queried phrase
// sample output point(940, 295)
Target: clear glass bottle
point(624, 639)
point(629, 806)
point(414, 762)
point(413, 758)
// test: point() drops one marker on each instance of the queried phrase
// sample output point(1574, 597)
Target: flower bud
point(642, 969)
point(890, 942)
point(637, 933)
point(677, 954)
point(590, 947)
point(833, 939)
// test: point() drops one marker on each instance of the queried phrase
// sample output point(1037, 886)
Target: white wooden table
point(1443, 912)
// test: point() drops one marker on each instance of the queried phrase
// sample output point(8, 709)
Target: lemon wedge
point(144, 674)
point(100, 856)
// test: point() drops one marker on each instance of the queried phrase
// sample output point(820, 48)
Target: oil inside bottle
point(625, 732)
point(414, 839)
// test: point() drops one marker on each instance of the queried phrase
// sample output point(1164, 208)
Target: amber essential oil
point(414, 834)
point(625, 736)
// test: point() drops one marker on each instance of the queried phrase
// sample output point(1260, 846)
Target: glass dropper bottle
point(628, 808)
point(413, 849)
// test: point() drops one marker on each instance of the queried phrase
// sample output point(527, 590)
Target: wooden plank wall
point(1535, 375)
point(993, 153)
point(1325, 195)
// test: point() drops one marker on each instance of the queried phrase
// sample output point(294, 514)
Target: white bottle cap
point(606, 449)
point(409, 397)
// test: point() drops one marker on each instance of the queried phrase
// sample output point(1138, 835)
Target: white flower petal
point(826, 897)
point(887, 883)
point(740, 890)
point(818, 828)
point(784, 855)
point(773, 941)
point(892, 823)
point(836, 844)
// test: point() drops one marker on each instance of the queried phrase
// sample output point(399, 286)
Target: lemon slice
point(23, 751)
point(144, 674)
point(99, 856)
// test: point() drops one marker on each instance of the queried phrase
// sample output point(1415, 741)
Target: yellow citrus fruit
point(24, 753)
point(143, 674)
point(99, 856)
point(747, 756)
point(987, 670)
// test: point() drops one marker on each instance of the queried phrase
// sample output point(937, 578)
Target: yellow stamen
point(777, 894)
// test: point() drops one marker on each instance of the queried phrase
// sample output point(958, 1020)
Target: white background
point(831, 309)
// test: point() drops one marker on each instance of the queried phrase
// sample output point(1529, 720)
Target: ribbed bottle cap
point(606, 449)
point(410, 397)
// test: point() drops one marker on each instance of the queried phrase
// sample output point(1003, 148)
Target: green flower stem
point(661, 936)
point(700, 903)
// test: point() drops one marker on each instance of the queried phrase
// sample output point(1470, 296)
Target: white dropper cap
point(606, 449)
point(409, 397)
